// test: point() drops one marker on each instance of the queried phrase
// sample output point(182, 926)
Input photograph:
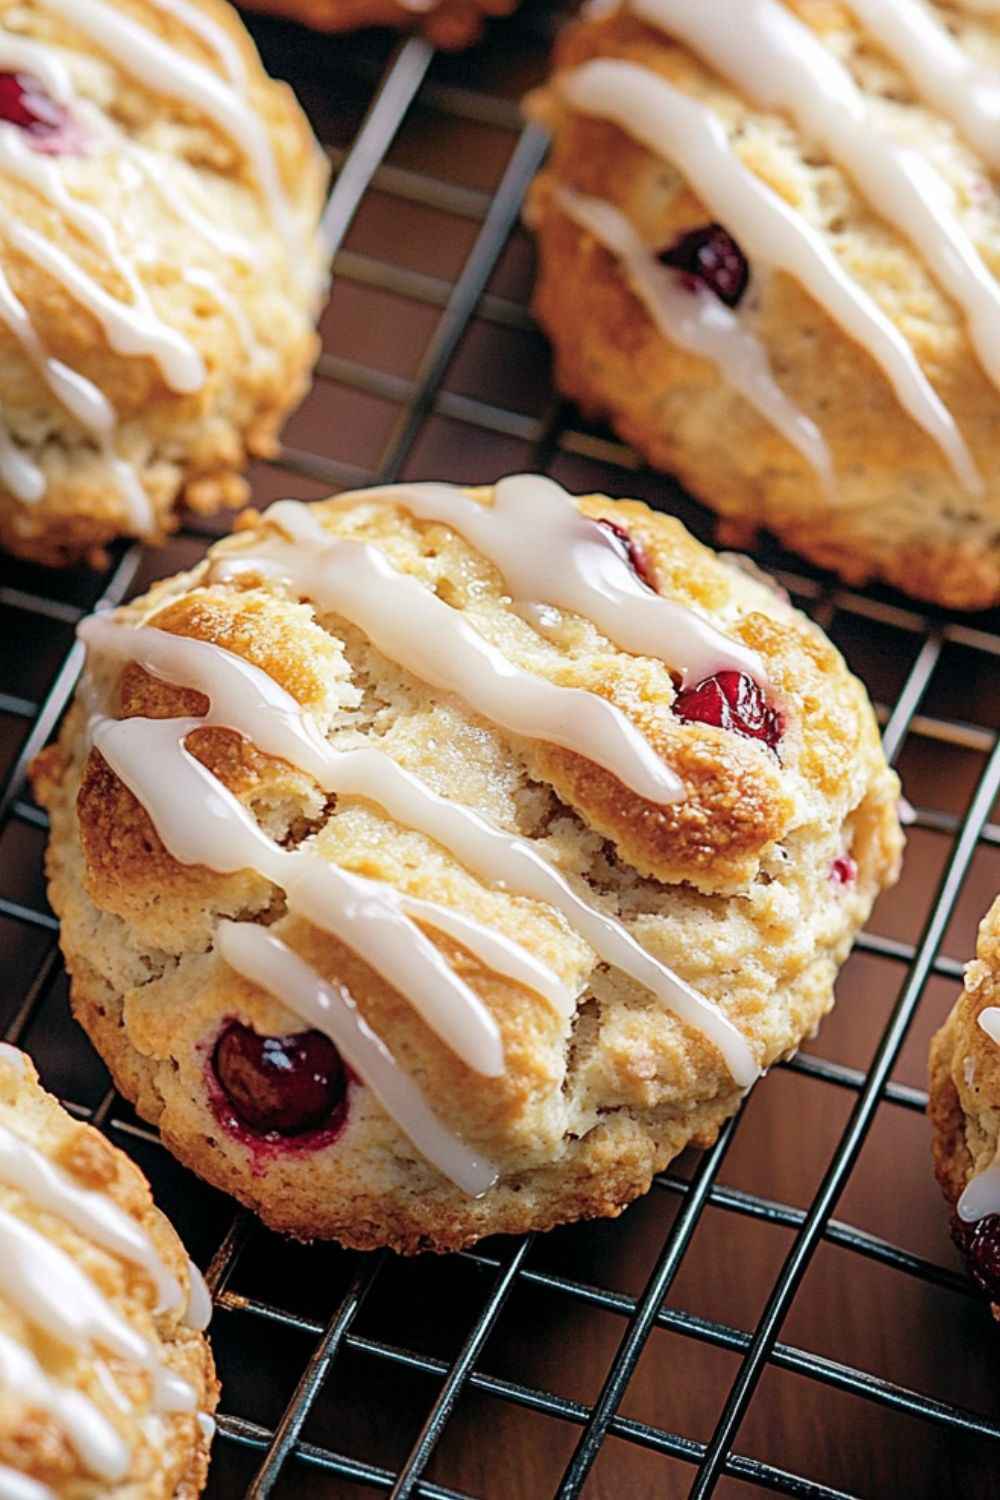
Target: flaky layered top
point(844, 389)
point(106, 1381)
point(421, 789)
point(160, 268)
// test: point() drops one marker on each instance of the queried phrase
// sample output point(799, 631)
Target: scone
point(107, 1385)
point(160, 266)
point(433, 863)
point(965, 1112)
point(769, 250)
point(452, 24)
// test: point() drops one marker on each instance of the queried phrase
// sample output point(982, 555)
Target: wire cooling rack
point(728, 1333)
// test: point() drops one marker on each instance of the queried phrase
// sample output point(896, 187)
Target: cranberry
point(632, 551)
point(279, 1085)
point(980, 1244)
point(24, 103)
point(710, 257)
point(843, 870)
point(733, 701)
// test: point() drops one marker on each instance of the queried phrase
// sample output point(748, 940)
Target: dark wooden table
point(913, 1333)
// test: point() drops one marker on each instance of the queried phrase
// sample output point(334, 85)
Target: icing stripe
point(126, 329)
point(701, 324)
point(92, 1214)
point(14, 1486)
point(244, 698)
point(216, 37)
point(405, 621)
point(781, 64)
point(164, 70)
point(82, 399)
point(201, 823)
point(18, 54)
point(943, 74)
point(176, 356)
point(989, 1021)
point(571, 563)
point(686, 132)
point(96, 1441)
point(51, 1292)
point(265, 960)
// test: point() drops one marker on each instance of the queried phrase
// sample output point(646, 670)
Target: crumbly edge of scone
point(964, 1105)
point(31, 1440)
point(183, 448)
point(902, 516)
point(598, 1178)
point(615, 1156)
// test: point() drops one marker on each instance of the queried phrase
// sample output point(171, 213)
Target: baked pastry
point(769, 245)
point(451, 24)
point(514, 835)
point(160, 266)
point(107, 1385)
point(965, 1112)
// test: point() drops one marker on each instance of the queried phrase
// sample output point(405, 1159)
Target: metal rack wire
point(407, 80)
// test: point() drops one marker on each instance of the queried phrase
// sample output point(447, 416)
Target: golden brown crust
point(898, 512)
point(247, 313)
point(452, 24)
point(33, 1441)
point(741, 904)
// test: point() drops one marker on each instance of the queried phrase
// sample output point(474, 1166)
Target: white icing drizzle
point(94, 1438)
point(177, 185)
point(981, 1195)
point(989, 1021)
point(18, 54)
point(177, 358)
point(682, 130)
point(79, 396)
point(216, 37)
point(93, 1214)
point(571, 563)
point(13, 1057)
point(84, 401)
point(943, 74)
point(207, 1424)
point(166, 71)
point(50, 1291)
point(127, 329)
point(201, 823)
point(14, 1486)
point(982, 1192)
point(196, 276)
point(412, 627)
point(700, 323)
point(266, 961)
point(198, 1313)
point(781, 64)
point(244, 698)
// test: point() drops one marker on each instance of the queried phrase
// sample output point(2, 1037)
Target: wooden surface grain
point(850, 1309)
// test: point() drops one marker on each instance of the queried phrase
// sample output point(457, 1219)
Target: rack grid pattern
point(408, 79)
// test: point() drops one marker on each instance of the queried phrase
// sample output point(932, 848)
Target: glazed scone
point(160, 266)
point(515, 835)
point(965, 1111)
point(107, 1385)
point(452, 24)
point(769, 247)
